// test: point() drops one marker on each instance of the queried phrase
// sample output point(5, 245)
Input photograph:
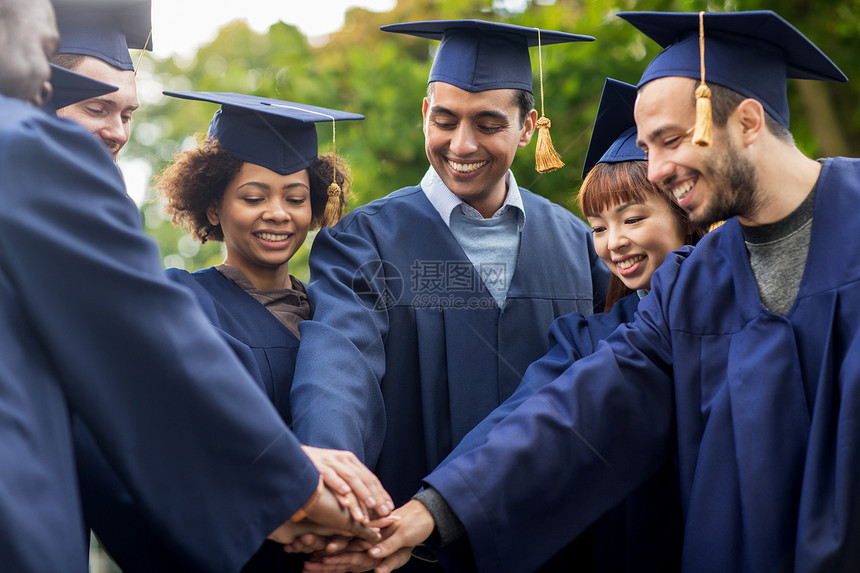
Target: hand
point(325, 518)
point(414, 527)
point(350, 562)
point(326, 546)
point(356, 487)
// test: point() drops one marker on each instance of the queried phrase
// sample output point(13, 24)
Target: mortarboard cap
point(70, 88)
point(278, 135)
point(104, 29)
point(750, 52)
point(613, 138)
point(476, 55)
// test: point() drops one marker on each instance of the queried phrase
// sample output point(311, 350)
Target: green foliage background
point(383, 76)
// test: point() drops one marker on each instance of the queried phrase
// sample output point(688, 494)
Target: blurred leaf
point(383, 76)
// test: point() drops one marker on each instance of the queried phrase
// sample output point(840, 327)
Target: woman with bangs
point(635, 226)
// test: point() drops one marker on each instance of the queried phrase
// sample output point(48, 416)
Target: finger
point(362, 481)
point(334, 481)
point(349, 530)
point(363, 532)
point(356, 509)
point(384, 522)
point(313, 542)
point(395, 561)
point(336, 545)
point(344, 562)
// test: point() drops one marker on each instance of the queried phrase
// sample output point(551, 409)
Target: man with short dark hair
point(92, 329)
point(743, 363)
point(431, 302)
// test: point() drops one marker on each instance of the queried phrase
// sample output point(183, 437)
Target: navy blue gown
point(643, 532)
point(762, 410)
point(408, 351)
point(91, 329)
point(267, 349)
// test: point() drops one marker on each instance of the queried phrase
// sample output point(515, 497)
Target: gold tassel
point(546, 157)
point(333, 206)
point(332, 213)
point(704, 121)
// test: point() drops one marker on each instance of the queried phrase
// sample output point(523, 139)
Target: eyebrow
point(626, 205)
point(658, 133)
point(268, 187)
point(105, 99)
point(488, 113)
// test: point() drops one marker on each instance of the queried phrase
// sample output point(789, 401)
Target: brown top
point(289, 305)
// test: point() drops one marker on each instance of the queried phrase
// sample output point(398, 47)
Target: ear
point(528, 128)
point(750, 117)
point(425, 108)
point(212, 214)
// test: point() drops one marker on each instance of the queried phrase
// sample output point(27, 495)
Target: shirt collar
point(445, 201)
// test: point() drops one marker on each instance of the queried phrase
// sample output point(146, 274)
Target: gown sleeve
point(570, 337)
point(562, 458)
point(341, 359)
point(198, 444)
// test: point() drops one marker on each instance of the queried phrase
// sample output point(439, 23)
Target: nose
point(617, 240)
point(276, 211)
point(463, 141)
point(660, 169)
point(115, 132)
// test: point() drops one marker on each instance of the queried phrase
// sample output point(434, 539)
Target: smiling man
point(431, 302)
point(741, 364)
point(95, 37)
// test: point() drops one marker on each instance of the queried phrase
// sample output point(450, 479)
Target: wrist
point(302, 512)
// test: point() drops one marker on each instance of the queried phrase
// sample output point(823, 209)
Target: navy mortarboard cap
point(476, 55)
point(104, 29)
point(750, 52)
point(613, 138)
point(70, 88)
point(275, 134)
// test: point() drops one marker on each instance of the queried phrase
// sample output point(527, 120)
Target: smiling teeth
point(627, 263)
point(681, 190)
point(272, 237)
point(466, 167)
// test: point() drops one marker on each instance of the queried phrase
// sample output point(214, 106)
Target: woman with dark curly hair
point(257, 184)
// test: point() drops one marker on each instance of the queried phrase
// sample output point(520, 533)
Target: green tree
point(383, 76)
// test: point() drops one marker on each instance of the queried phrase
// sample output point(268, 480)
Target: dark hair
point(198, 178)
point(610, 184)
point(724, 101)
point(68, 61)
point(523, 100)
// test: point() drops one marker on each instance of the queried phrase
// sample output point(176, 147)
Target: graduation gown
point(408, 351)
point(763, 411)
point(643, 532)
point(267, 349)
point(91, 328)
point(249, 327)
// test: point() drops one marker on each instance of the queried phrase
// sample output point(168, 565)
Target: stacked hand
point(412, 525)
point(350, 504)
